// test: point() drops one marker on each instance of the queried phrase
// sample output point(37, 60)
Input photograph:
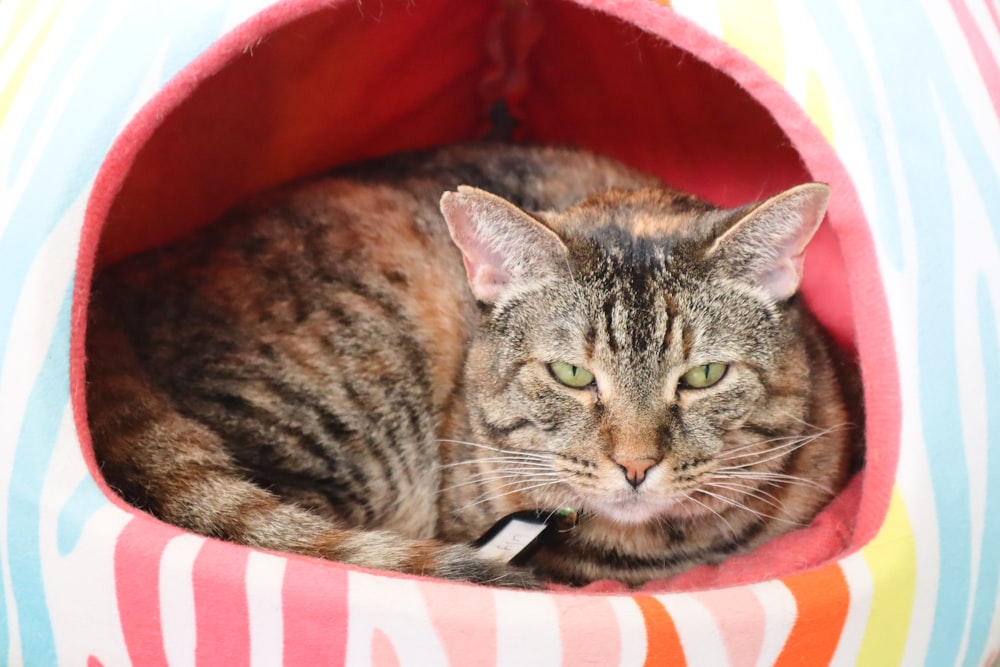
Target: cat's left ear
point(767, 245)
point(504, 248)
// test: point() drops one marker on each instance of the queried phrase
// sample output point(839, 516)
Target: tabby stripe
point(687, 340)
point(233, 432)
point(418, 389)
point(385, 431)
point(670, 316)
point(500, 432)
point(499, 315)
point(273, 479)
point(784, 391)
point(333, 426)
point(616, 560)
point(609, 310)
point(589, 342)
point(385, 302)
point(766, 432)
point(675, 533)
point(728, 547)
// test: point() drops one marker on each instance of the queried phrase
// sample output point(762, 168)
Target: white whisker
point(710, 509)
point(513, 480)
point(785, 451)
point(511, 460)
point(784, 448)
point(773, 477)
point(758, 443)
point(789, 443)
point(500, 476)
point(743, 507)
point(750, 491)
point(517, 452)
point(480, 501)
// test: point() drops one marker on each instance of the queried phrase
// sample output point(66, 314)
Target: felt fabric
point(278, 111)
point(132, 125)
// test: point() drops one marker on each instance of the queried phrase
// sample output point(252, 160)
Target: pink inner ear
point(784, 226)
point(487, 282)
point(783, 281)
point(484, 267)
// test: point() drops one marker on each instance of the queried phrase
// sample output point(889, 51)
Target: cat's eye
point(570, 375)
point(704, 376)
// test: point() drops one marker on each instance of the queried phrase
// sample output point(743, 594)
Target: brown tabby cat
point(338, 370)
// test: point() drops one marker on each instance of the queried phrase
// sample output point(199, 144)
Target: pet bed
point(125, 124)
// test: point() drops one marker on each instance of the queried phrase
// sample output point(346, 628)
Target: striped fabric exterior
point(909, 96)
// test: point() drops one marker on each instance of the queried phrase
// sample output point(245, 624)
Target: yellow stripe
point(892, 559)
point(17, 21)
point(754, 29)
point(818, 105)
point(21, 71)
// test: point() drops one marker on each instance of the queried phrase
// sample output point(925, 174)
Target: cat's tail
point(176, 469)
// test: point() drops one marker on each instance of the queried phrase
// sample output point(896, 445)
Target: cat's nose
point(635, 469)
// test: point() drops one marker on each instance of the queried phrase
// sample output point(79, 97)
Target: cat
point(376, 364)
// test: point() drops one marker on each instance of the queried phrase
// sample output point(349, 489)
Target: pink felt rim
point(867, 320)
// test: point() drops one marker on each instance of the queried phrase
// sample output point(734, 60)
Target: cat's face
point(642, 358)
point(631, 389)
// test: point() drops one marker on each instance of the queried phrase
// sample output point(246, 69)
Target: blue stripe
point(913, 68)
point(989, 560)
point(46, 404)
point(67, 164)
point(93, 116)
point(69, 55)
point(82, 504)
point(842, 46)
point(129, 53)
point(4, 619)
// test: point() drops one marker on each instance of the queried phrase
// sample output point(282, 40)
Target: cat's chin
point(631, 512)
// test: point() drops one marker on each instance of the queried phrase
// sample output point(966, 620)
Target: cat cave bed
point(124, 125)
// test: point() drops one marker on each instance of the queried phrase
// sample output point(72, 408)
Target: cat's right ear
point(505, 249)
point(767, 245)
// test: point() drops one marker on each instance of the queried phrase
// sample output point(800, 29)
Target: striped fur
point(316, 373)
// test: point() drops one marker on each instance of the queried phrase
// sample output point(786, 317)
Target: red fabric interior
point(312, 84)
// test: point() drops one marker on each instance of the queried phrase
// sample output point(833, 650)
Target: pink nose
point(635, 469)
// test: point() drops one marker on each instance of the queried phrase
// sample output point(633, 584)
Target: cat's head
point(630, 344)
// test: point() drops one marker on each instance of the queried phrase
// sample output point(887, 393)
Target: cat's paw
point(462, 563)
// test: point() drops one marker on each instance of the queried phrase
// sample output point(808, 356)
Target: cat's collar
point(516, 537)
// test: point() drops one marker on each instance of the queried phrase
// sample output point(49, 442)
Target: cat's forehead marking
point(643, 331)
point(644, 213)
point(669, 321)
point(649, 224)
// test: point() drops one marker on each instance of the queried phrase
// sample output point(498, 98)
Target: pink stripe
point(589, 629)
point(315, 613)
point(222, 618)
point(988, 68)
point(137, 575)
point(993, 14)
point(465, 619)
point(741, 619)
point(383, 652)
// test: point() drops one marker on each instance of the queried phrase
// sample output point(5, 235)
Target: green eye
point(701, 377)
point(571, 376)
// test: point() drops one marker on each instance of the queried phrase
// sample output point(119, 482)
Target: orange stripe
point(663, 644)
point(822, 599)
